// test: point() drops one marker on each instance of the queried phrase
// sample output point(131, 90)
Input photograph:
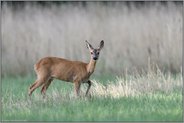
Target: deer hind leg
point(37, 84)
point(45, 87)
point(89, 85)
point(32, 85)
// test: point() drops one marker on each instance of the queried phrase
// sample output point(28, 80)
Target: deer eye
point(91, 52)
point(98, 53)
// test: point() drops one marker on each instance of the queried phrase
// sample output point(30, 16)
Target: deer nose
point(95, 58)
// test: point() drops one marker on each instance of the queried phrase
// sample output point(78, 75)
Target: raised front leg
point(89, 85)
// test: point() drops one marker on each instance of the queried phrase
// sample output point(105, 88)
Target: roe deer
point(77, 72)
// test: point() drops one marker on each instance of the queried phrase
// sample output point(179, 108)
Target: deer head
point(95, 52)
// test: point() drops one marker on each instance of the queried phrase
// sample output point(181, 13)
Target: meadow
point(151, 97)
point(138, 75)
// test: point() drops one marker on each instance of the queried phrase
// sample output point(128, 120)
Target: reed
point(133, 35)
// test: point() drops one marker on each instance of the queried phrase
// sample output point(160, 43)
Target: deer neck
point(91, 66)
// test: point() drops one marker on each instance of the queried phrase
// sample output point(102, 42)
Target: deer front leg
point(77, 87)
point(89, 85)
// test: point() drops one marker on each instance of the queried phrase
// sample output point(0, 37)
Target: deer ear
point(101, 44)
point(89, 46)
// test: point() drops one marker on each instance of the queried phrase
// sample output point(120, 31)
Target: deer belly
point(65, 76)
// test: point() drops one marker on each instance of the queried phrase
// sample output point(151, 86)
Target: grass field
point(149, 97)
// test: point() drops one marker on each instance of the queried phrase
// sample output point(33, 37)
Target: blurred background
point(136, 35)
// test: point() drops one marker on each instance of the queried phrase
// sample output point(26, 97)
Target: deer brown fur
point(77, 72)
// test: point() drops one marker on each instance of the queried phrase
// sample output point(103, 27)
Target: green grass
point(61, 105)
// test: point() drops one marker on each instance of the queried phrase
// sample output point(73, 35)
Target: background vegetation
point(134, 33)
